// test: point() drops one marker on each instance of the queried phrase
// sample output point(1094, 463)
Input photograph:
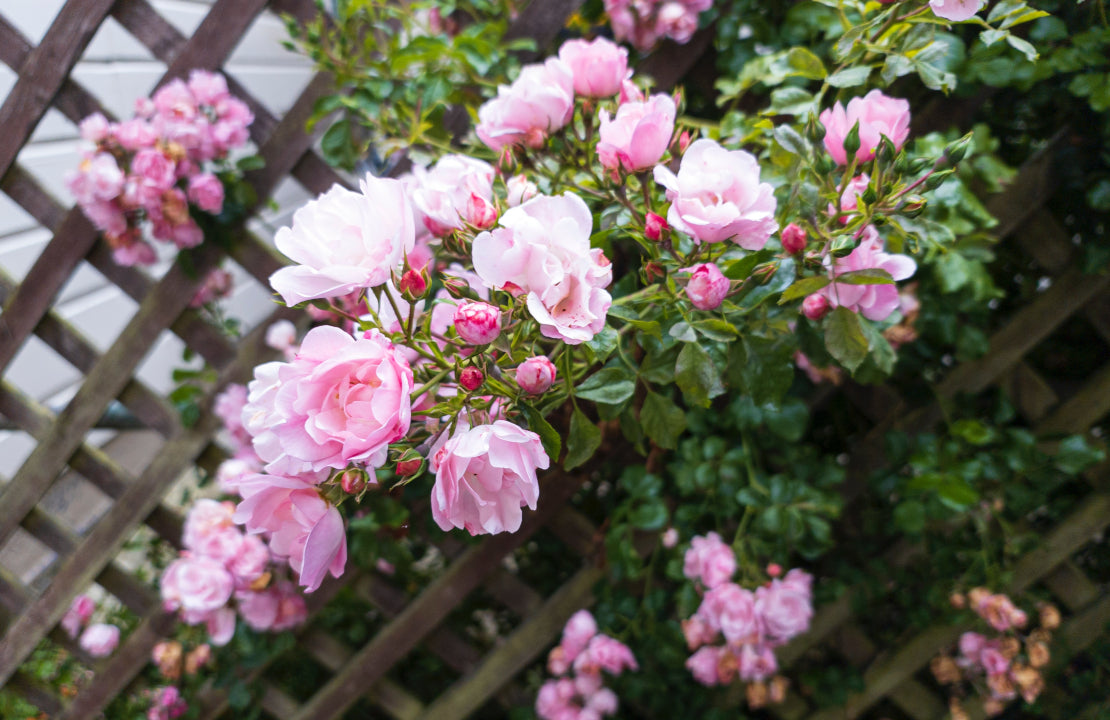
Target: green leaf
point(717, 329)
point(849, 77)
point(805, 63)
point(867, 276)
point(697, 376)
point(549, 436)
point(790, 140)
point(972, 431)
point(651, 515)
point(909, 516)
point(803, 287)
point(603, 344)
point(788, 422)
point(742, 268)
point(844, 338)
point(584, 440)
point(611, 385)
point(663, 421)
point(1075, 455)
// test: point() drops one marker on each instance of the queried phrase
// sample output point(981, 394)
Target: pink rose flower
point(258, 609)
point(638, 136)
point(539, 102)
point(250, 560)
point(709, 560)
point(784, 610)
point(554, 701)
point(100, 640)
point(484, 476)
point(605, 653)
point(707, 287)
point(971, 646)
point(229, 408)
point(874, 302)
point(697, 632)
point(877, 115)
point(703, 665)
point(717, 196)
point(793, 239)
point(543, 249)
point(173, 101)
point(731, 609)
point(577, 633)
point(603, 702)
point(345, 241)
point(519, 189)
point(341, 400)
point(303, 527)
point(109, 218)
point(197, 586)
point(477, 323)
point(598, 66)
point(799, 581)
point(154, 169)
point(994, 662)
point(79, 613)
point(134, 253)
point(207, 192)
point(206, 517)
point(282, 336)
point(220, 625)
point(97, 178)
point(232, 471)
point(135, 134)
point(208, 88)
point(955, 9)
point(757, 662)
point(677, 22)
point(536, 375)
point(442, 195)
point(95, 128)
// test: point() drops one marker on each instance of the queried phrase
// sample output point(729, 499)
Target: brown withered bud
point(167, 656)
point(1001, 685)
point(1038, 653)
point(957, 600)
point(1039, 635)
point(262, 582)
point(1049, 615)
point(992, 707)
point(758, 695)
point(198, 658)
point(977, 596)
point(945, 670)
point(1023, 675)
point(956, 709)
point(727, 667)
point(1009, 647)
point(779, 686)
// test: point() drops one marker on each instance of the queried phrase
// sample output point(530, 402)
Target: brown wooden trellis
point(28, 616)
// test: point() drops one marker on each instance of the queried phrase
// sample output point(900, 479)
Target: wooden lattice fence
point(28, 615)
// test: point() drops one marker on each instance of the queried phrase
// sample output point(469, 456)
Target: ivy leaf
point(844, 338)
point(584, 440)
point(662, 420)
point(549, 436)
point(697, 376)
point(611, 386)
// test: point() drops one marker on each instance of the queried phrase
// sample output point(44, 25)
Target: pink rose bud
point(281, 335)
point(408, 467)
point(78, 615)
point(519, 189)
point(207, 192)
point(413, 284)
point(793, 239)
point(670, 538)
point(480, 212)
point(535, 375)
point(95, 128)
point(774, 570)
point(100, 640)
point(471, 378)
point(815, 307)
point(477, 323)
point(655, 226)
point(683, 141)
point(353, 481)
point(630, 93)
point(707, 287)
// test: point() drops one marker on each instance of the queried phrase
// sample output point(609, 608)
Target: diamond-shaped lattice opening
point(271, 74)
point(40, 372)
point(1070, 355)
point(25, 557)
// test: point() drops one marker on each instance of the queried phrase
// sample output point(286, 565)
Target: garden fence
point(29, 615)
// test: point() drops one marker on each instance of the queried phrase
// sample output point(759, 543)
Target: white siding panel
point(31, 17)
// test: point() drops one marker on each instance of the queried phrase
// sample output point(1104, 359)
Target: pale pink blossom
point(539, 102)
point(206, 517)
point(877, 115)
point(484, 476)
point(756, 662)
point(136, 253)
point(443, 194)
point(345, 241)
point(78, 615)
point(477, 323)
point(638, 136)
point(785, 610)
point(697, 632)
point(216, 286)
point(250, 560)
point(703, 664)
point(709, 560)
point(302, 526)
point(519, 189)
point(971, 647)
point(135, 134)
point(605, 653)
point(670, 538)
point(955, 9)
point(717, 196)
point(229, 409)
point(100, 640)
point(167, 704)
point(208, 88)
point(707, 286)
point(207, 192)
point(599, 66)
point(97, 178)
point(542, 249)
point(154, 169)
point(993, 662)
point(731, 609)
point(95, 128)
point(220, 626)
point(577, 633)
point(535, 375)
point(258, 609)
point(109, 218)
point(556, 700)
point(282, 336)
point(232, 471)
point(173, 101)
point(874, 302)
point(341, 400)
point(197, 586)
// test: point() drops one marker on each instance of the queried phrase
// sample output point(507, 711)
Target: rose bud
point(535, 375)
point(707, 287)
point(815, 307)
point(1050, 616)
point(471, 378)
point(353, 481)
point(774, 570)
point(480, 212)
point(655, 226)
point(793, 239)
point(477, 323)
point(957, 600)
point(413, 284)
point(410, 466)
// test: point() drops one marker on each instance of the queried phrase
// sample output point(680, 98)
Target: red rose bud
point(815, 307)
point(535, 375)
point(654, 271)
point(409, 467)
point(655, 226)
point(413, 284)
point(774, 570)
point(455, 286)
point(683, 141)
point(471, 378)
point(480, 212)
point(353, 481)
point(793, 239)
point(477, 323)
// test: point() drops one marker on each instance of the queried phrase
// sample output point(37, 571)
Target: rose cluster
point(577, 692)
point(1009, 663)
point(97, 639)
point(644, 22)
point(751, 624)
point(222, 570)
point(151, 170)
